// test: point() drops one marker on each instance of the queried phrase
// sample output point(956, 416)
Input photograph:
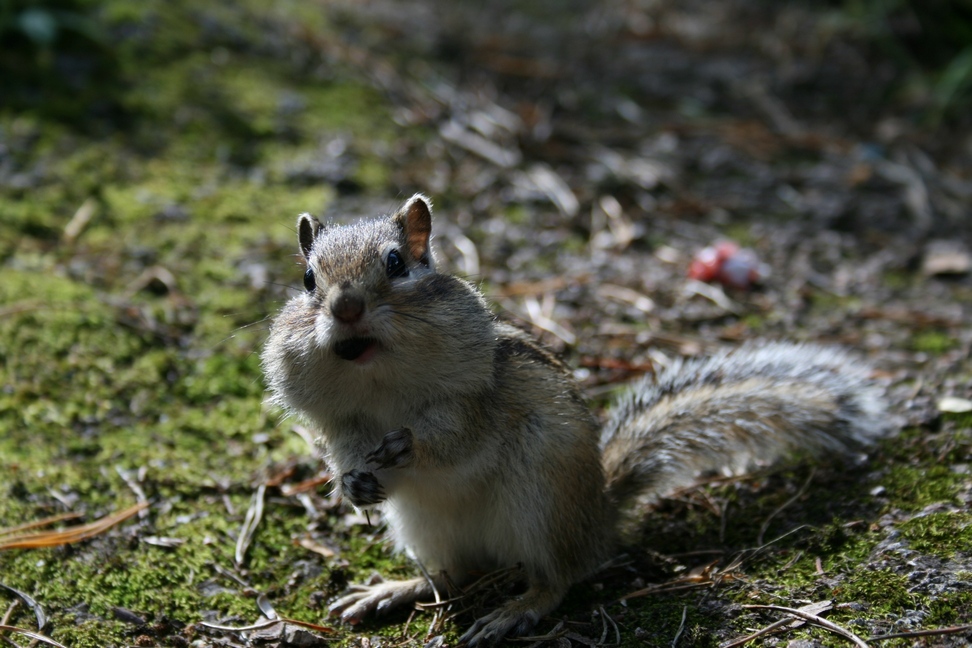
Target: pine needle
point(67, 536)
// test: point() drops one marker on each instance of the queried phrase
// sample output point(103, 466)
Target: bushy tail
point(749, 406)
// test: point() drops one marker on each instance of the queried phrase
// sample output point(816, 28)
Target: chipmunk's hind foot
point(517, 617)
point(379, 598)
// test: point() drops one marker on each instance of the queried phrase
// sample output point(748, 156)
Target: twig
point(770, 629)
point(558, 631)
point(617, 631)
point(222, 571)
point(33, 635)
point(784, 505)
point(776, 626)
point(255, 626)
point(439, 609)
point(674, 586)
point(745, 554)
point(814, 619)
point(681, 626)
point(923, 633)
point(715, 294)
point(9, 613)
point(135, 488)
point(31, 603)
point(267, 624)
point(492, 578)
point(80, 220)
point(540, 316)
point(603, 640)
point(253, 516)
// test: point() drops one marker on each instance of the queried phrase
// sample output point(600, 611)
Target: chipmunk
point(478, 442)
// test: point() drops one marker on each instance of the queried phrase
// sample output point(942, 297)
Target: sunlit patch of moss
point(883, 592)
point(516, 214)
point(100, 374)
point(933, 342)
point(348, 106)
point(754, 321)
point(741, 233)
point(823, 301)
point(915, 487)
point(372, 174)
point(90, 633)
point(941, 534)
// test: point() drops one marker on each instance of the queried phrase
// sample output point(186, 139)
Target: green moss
point(191, 172)
point(372, 174)
point(941, 534)
point(754, 321)
point(915, 487)
point(952, 608)
point(823, 301)
point(99, 373)
point(933, 342)
point(515, 214)
point(898, 279)
point(741, 233)
point(883, 592)
point(962, 420)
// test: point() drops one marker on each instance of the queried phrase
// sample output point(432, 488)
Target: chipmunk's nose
point(348, 308)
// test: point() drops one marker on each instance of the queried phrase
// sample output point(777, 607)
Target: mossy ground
point(129, 354)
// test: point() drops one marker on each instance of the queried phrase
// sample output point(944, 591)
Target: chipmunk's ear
point(415, 219)
point(307, 229)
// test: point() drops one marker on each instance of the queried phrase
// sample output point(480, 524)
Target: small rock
point(294, 635)
point(954, 405)
point(127, 616)
point(946, 258)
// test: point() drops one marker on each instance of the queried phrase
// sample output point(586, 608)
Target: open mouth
point(355, 348)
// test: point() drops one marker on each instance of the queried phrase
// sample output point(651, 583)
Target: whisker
point(283, 285)
point(411, 316)
point(241, 328)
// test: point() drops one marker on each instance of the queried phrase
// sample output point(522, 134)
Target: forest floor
point(579, 155)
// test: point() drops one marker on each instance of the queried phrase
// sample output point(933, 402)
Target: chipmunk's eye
point(309, 283)
point(396, 265)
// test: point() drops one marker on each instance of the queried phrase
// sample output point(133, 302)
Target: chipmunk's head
point(358, 276)
point(375, 324)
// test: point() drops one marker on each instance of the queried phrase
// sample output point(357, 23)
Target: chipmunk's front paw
point(395, 451)
point(361, 488)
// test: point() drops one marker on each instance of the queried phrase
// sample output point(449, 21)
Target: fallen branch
point(924, 633)
point(782, 624)
point(815, 620)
